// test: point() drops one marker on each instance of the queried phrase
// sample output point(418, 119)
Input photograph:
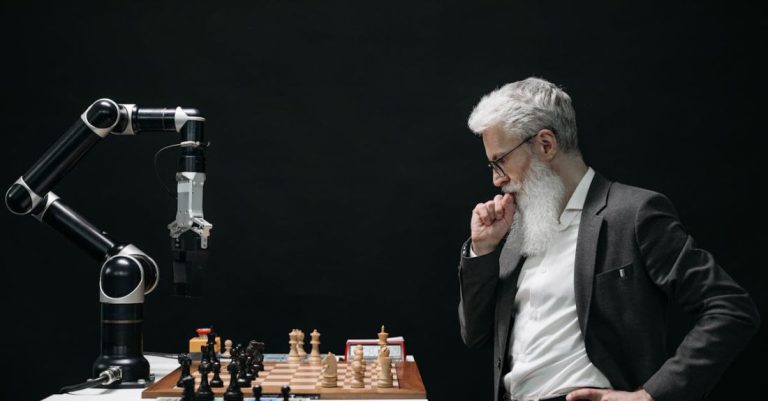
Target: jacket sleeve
point(478, 279)
point(725, 318)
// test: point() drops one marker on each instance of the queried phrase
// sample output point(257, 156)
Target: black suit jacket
point(633, 259)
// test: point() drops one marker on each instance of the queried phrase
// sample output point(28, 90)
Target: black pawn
point(242, 377)
point(188, 383)
point(185, 361)
point(286, 391)
point(204, 392)
point(233, 390)
point(256, 392)
point(216, 381)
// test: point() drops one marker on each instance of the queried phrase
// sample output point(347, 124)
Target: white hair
point(525, 107)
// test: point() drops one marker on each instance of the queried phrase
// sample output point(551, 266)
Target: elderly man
point(569, 275)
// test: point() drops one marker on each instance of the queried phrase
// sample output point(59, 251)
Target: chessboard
point(304, 379)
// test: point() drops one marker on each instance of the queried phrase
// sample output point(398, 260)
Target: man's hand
point(597, 394)
point(490, 222)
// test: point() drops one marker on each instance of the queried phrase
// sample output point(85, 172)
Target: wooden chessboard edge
point(409, 379)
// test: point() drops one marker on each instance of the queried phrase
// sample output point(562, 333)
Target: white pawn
point(227, 349)
point(358, 368)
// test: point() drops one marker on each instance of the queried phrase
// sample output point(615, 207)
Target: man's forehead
point(496, 140)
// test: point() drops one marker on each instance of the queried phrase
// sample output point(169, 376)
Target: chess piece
point(233, 390)
point(358, 368)
point(204, 392)
point(385, 369)
point(286, 391)
point(185, 361)
point(314, 355)
point(300, 345)
point(216, 381)
point(227, 349)
point(256, 392)
point(258, 356)
point(242, 376)
point(188, 384)
point(293, 354)
point(329, 375)
point(383, 336)
point(212, 346)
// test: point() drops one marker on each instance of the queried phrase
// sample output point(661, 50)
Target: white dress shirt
point(548, 353)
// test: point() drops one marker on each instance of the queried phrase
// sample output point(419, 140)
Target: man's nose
point(499, 180)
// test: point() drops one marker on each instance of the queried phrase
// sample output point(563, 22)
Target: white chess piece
point(358, 368)
point(300, 344)
point(385, 369)
point(293, 354)
point(329, 375)
point(314, 355)
point(227, 349)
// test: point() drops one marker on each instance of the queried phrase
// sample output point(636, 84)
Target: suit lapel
point(586, 247)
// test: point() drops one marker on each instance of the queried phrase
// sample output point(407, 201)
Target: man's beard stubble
point(537, 214)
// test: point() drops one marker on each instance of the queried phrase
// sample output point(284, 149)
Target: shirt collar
point(580, 193)
point(576, 203)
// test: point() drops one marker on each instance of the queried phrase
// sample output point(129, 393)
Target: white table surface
point(159, 366)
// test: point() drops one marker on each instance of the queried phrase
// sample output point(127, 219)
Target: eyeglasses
point(495, 165)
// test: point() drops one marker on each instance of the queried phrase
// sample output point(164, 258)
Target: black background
point(342, 174)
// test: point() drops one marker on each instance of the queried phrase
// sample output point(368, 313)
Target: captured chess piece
point(329, 376)
point(185, 361)
point(314, 355)
point(385, 369)
point(256, 392)
point(233, 390)
point(358, 368)
point(286, 391)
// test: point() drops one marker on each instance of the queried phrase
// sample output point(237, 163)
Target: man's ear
point(545, 144)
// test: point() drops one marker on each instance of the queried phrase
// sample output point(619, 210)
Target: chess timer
point(202, 339)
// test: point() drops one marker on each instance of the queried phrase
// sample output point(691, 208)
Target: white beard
point(537, 216)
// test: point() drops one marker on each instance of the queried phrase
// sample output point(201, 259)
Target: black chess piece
point(286, 391)
point(242, 376)
point(204, 392)
point(212, 346)
point(185, 361)
point(188, 384)
point(258, 357)
point(250, 372)
point(256, 392)
point(233, 390)
point(216, 381)
point(205, 355)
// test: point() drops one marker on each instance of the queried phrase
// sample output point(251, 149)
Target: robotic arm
point(127, 273)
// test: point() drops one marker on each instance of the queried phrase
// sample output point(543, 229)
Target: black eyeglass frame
point(495, 165)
